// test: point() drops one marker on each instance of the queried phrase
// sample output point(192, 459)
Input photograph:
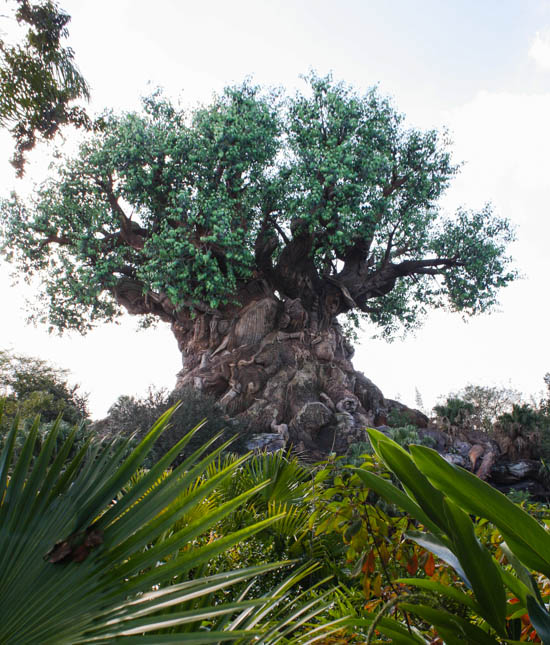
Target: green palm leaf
point(81, 554)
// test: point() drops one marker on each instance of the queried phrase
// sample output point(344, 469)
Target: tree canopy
point(38, 78)
point(326, 193)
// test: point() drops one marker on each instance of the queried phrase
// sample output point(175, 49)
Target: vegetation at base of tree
point(39, 81)
point(371, 520)
point(495, 586)
point(131, 415)
point(95, 549)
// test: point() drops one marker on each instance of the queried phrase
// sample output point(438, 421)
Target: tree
point(38, 78)
point(251, 225)
point(477, 407)
point(33, 387)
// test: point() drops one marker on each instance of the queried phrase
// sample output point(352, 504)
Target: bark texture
point(284, 369)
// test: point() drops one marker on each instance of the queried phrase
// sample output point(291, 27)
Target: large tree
point(253, 226)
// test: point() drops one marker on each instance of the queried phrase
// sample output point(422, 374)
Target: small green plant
point(356, 453)
point(398, 418)
point(407, 435)
point(518, 496)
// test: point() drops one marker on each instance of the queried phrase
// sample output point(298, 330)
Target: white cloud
point(540, 48)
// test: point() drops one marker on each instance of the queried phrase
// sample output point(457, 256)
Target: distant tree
point(418, 401)
point(38, 78)
point(33, 386)
point(455, 412)
point(251, 225)
point(486, 403)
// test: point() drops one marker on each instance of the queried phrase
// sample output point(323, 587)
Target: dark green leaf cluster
point(87, 557)
point(131, 415)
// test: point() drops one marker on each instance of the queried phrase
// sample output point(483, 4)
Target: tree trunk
point(280, 367)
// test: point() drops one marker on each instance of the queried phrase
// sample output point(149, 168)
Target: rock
point(413, 417)
point(266, 442)
point(456, 460)
point(513, 472)
point(462, 447)
point(309, 422)
point(475, 453)
point(369, 394)
point(440, 439)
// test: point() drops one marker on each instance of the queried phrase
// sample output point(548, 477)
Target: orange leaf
point(412, 565)
point(370, 562)
point(429, 566)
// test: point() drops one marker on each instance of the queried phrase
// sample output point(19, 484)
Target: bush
point(455, 412)
point(504, 599)
point(129, 415)
point(477, 407)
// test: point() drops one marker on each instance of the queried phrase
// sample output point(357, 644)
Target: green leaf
point(454, 629)
point(523, 534)
point(443, 590)
point(478, 566)
point(540, 619)
point(399, 461)
point(438, 548)
point(393, 495)
point(389, 627)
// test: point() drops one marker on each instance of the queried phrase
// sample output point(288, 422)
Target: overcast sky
point(481, 69)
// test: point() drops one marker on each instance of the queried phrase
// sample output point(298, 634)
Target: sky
point(479, 69)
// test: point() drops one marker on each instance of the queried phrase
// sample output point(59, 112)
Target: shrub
point(504, 601)
point(130, 415)
point(455, 412)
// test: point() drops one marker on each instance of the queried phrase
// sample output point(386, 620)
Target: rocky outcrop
point(483, 455)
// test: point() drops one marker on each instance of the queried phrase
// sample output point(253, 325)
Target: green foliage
point(521, 418)
point(33, 386)
point(357, 452)
point(443, 498)
point(407, 435)
point(131, 415)
point(84, 557)
point(328, 183)
point(398, 418)
point(477, 406)
point(455, 411)
point(38, 78)
point(367, 547)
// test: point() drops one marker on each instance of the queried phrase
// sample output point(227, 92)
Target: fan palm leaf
point(80, 558)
